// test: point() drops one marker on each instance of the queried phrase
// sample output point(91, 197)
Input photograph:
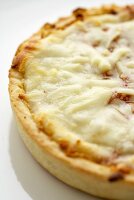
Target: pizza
point(71, 87)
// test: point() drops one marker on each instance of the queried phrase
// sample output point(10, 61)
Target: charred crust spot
point(14, 66)
point(79, 13)
point(21, 96)
point(15, 62)
point(63, 144)
point(113, 11)
point(80, 16)
point(116, 177)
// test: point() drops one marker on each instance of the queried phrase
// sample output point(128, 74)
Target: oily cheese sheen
point(72, 90)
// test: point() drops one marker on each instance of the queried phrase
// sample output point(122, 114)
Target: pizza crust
point(95, 178)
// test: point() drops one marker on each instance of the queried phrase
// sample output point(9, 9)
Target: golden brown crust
point(34, 135)
point(29, 45)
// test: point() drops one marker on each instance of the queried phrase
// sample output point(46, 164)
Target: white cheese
point(74, 82)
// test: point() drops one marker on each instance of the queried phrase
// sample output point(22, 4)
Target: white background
point(21, 178)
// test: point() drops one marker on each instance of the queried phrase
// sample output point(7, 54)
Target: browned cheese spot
point(113, 44)
point(105, 29)
point(96, 43)
point(121, 96)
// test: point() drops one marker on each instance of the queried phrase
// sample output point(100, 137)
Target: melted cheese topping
point(81, 80)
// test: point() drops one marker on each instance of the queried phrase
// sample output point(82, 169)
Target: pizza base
point(86, 175)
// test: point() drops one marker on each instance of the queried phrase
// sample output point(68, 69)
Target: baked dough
point(72, 92)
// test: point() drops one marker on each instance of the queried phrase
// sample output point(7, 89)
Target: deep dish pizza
point(72, 92)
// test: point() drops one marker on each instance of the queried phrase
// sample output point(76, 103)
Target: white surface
point(21, 177)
